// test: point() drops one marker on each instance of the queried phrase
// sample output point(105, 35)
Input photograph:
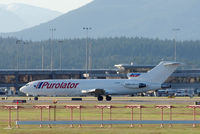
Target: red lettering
point(51, 85)
point(61, 85)
point(57, 85)
point(45, 84)
point(64, 85)
point(68, 84)
point(72, 85)
point(76, 85)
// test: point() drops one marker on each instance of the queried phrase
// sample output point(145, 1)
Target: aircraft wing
point(95, 92)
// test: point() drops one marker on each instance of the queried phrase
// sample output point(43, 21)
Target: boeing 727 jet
point(137, 83)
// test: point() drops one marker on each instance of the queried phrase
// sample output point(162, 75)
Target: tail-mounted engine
point(164, 86)
point(134, 85)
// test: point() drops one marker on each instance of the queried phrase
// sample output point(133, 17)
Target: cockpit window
point(27, 85)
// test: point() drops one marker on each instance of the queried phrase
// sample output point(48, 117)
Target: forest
point(105, 52)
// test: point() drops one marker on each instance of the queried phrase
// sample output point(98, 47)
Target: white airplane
point(138, 83)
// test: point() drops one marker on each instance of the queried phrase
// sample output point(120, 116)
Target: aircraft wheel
point(36, 98)
point(100, 98)
point(108, 98)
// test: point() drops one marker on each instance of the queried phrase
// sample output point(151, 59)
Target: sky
point(58, 5)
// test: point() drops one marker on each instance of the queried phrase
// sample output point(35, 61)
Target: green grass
point(91, 113)
point(115, 130)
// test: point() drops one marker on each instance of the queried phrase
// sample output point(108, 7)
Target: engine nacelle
point(164, 86)
point(142, 85)
point(134, 85)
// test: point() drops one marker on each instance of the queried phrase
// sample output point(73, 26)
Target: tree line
point(105, 52)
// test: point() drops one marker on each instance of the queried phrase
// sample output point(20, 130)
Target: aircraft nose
point(22, 89)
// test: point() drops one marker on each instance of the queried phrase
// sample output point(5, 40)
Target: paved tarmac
point(116, 100)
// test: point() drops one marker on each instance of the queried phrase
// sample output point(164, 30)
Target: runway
point(115, 100)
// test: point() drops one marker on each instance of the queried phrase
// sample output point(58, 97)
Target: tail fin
point(133, 75)
point(160, 73)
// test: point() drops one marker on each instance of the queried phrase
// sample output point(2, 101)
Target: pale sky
point(58, 5)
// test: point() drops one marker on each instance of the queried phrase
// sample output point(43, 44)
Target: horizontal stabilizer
point(172, 64)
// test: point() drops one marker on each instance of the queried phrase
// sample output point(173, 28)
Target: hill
point(15, 17)
point(131, 18)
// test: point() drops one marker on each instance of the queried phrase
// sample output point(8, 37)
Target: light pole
point(86, 50)
point(60, 53)
point(175, 30)
point(42, 57)
point(18, 42)
point(26, 57)
point(52, 30)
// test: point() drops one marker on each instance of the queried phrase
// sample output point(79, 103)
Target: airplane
point(138, 83)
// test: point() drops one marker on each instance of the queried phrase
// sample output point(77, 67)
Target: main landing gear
point(35, 98)
point(108, 98)
point(100, 98)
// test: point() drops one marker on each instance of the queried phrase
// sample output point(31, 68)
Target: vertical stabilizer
point(160, 73)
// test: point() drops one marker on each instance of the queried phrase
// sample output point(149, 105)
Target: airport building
point(14, 79)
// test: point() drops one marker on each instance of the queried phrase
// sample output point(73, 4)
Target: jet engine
point(164, 86)
point(134, 85)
